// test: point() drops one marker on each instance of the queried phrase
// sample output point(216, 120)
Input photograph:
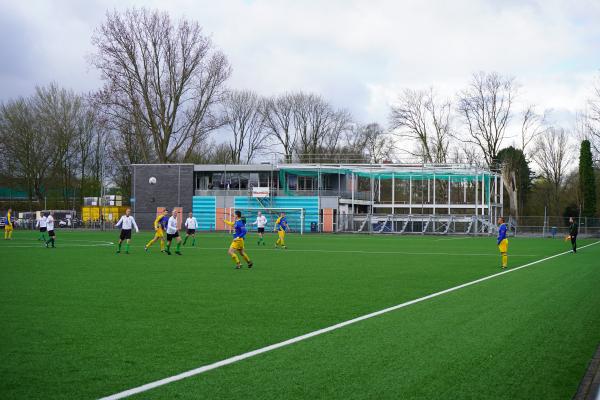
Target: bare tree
point(532, 125)
point(127, 144)
point(86, 136)
point(25, 146)
point(318, 126)
point(279, 122)
point(419, 116)
point(59, 111)
point(245, 119)
point(163, 78)
point(220, 154)
point(308, 115)
point(485, 106)
point(552, 155)
point(466, 153)
point(99, 152)
point(377, 144)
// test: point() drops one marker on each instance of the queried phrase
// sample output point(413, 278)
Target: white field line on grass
point(232, 360)
point(61, 243)
point(454, 238)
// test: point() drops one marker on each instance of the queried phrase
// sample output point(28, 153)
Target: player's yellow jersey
point(8, 220)
point(156, 222)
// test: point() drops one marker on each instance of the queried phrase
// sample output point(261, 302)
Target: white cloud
point(358, 54)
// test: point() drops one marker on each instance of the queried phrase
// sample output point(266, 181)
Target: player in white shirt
point(173, 233)
point(126, 223)
point(50, 228)
point(41, 223)
point(261, 222)
point(191, 224)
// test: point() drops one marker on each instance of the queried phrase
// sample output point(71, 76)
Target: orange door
point(328, 220)
point(221, 214)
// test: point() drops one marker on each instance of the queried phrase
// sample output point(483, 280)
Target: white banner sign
point(260, 192)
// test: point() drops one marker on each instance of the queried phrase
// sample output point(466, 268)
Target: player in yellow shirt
point(160, 227)
point(8, 226)
point(503, 242)
point(281, 226)
point(237, 244)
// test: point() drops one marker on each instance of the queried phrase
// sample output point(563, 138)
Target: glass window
point(234, 180)
point(264, 179)
point(254, 180)
point(292, 182)
point(244, 179)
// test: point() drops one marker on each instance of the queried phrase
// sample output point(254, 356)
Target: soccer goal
point(295, 217)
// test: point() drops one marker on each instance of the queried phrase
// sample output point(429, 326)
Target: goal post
point(295, 217)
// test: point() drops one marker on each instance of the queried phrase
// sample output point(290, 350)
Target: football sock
point(235, 258)
point(504, 260)
point(120, 246)
point(193, 241)
point(185, 240)
point(162, 245)
point(246, 257)
point(127, 247)
point(149, 244)
point(178, 246)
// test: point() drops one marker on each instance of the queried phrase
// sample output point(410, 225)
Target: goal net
point(294, 216)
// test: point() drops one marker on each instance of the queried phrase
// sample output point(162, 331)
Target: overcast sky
point(357, 54)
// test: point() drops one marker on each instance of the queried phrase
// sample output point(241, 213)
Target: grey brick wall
point(174, 188)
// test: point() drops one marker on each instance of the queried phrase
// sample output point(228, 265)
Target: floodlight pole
point(483, 196)
point(318, 198)
point(393, 193)
point(352, 187)
point(372, 203)
point(476, 204)
point(449, 193)
point(434, 200)
point(410, 196)
point(501, 196)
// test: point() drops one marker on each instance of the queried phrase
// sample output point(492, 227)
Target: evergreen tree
point(587, 181)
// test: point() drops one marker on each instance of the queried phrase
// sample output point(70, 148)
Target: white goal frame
point(270, 209)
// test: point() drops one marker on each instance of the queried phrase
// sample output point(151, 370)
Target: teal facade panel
point(205, 211)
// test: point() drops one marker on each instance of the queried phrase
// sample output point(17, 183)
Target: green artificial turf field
point(80, 321)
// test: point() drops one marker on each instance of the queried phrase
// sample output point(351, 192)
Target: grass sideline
point(87, 323)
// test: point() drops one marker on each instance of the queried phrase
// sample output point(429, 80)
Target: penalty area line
point(240, 357)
